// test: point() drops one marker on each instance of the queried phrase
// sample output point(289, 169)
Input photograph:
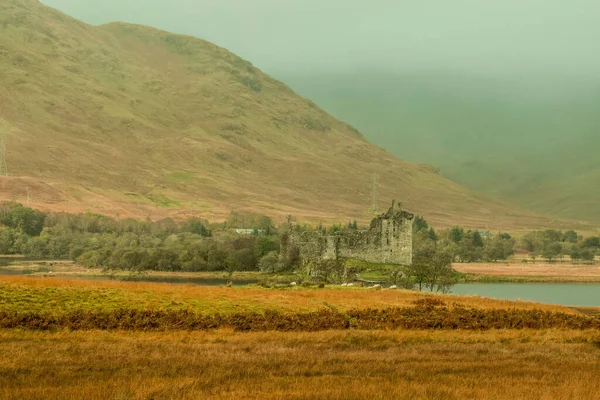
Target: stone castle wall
point(387, 241)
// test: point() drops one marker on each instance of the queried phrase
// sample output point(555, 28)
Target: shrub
point(35, 247)
point(23, 218)
point(195, 225)
point(426, 314)
point(587, 255)
point(270, 263)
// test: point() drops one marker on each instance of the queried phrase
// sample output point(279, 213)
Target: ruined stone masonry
point(388, 241)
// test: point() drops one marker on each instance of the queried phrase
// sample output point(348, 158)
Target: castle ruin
point(387, 241)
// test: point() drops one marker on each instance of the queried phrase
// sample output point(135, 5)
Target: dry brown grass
point(333, 365)
point(350, 364)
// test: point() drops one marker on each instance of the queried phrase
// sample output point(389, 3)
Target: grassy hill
point(130, 120)
point(529, 141)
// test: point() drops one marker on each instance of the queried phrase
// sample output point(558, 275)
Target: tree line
point(99, 241)
point(434, 252)
point(469, 246)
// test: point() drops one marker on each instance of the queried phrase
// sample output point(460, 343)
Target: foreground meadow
point(116, 340)
point(63, 295)
point(223, 364)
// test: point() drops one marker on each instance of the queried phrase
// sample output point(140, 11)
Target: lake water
point(551, 293)
point(176, 280)
point(23, 271)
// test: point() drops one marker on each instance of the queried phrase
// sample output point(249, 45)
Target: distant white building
point(250, 231)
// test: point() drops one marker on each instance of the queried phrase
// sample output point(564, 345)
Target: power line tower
point(374, 192)
point(3, 164)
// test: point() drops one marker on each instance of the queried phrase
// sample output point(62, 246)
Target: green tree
point(505, 236)
point(134, 260)
point(269, 263)
point(242, 260)
point(58, 241)
point(456, 234)
point(194, 256)
point(162, 260)
point(591, 242)
point(328, 271)
point(441, 276)
point(423, 253)
point(552, 251)
point(265, 245)
point(587, 255)
point(419, 274)
point(432, 235)
point(217, 259)
point(353, 225)
point(470, 248)
point(35, 248)
point(335, 228)
point(24, 219)
point(195, 225)
point(165, 226)
point(432, 269)
point(265, 225)
point(476, 239)
point(498, 248)
point(532, 242)
point(95, 258)
point(420, 224)
point(570, 237)
point(7, 241)
point(552, 236)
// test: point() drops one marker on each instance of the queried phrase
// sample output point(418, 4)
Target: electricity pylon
point(374, 192)
point(3, 164)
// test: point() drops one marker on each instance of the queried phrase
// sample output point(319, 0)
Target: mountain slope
point(129, 120)
point(529, 141)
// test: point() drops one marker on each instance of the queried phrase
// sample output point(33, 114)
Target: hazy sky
point(466, 35)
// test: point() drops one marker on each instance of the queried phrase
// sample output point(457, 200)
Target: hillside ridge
point(129, 120)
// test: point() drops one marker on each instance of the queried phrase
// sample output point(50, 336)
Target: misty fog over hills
point(443, 118)
point(467, 36)
point(533, 142)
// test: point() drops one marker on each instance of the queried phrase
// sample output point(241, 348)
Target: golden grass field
point(324, 365)
point(336, 364)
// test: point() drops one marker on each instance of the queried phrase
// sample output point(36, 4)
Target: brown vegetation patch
point(14, 188)
point(424, 315)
